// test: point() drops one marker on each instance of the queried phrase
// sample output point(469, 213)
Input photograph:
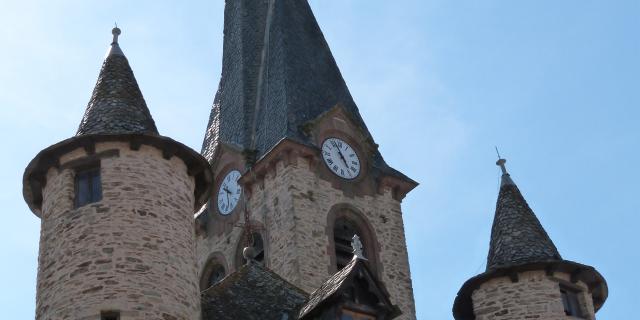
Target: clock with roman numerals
point(341, 159)
point(229, 193)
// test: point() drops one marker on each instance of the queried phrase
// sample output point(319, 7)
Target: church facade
point(288, 212)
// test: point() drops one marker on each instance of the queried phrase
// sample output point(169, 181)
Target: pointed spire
point(278, 74)
point(517, 237)
point(116, 105)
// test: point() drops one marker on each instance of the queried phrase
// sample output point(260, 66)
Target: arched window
point(216, 274)
point(258, 245)
point(344, 222)
point(213, 272)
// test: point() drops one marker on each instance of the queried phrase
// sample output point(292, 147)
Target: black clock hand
point(345, 162)
point(342, 158)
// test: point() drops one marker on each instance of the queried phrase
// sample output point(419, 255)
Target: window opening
point(352, 315)
point(217, 274)
point(109, 315)
point(343, 232)
point(88, 187)
point(570, 302)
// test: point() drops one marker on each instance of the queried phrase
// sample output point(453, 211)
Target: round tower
point(116, 204)
point(526, 278)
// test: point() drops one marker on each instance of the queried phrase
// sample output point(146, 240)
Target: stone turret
point(526, 278)
point(116, 204)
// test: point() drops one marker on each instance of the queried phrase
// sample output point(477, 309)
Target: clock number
point(340, 158)
point(229, 193)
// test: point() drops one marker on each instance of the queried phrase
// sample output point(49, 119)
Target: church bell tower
point(296, 171)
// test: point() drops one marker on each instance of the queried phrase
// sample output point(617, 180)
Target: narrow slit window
point(88, 187)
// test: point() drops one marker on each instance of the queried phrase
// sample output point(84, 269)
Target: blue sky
point(555, 84)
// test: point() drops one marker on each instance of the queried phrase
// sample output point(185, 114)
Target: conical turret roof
point(116, 112)
point(116, 105)
point(517, 237)
point(519, 243)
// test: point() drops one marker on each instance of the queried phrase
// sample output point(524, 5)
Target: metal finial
point(249, 253)
point(501, 163)
point(356, 244)
point(116, 32)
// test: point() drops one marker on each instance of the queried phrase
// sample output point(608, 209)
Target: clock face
point(229, 193)
point(340, 158)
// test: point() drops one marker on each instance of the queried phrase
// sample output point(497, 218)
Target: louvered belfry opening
point(343, 232)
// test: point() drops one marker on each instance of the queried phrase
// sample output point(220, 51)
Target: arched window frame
point(365, 232)
point(215, 259)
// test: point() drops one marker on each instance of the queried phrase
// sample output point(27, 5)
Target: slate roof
point(519, 243)
point(270, 92)
point(517, 237)
point(328, 288)
point(338, 281)
point(116, 105)
point(252, 293)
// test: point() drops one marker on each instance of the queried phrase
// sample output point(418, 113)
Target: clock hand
point(345, 163)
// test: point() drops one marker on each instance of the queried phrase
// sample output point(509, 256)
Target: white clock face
point(229, 193)
point(340, 158)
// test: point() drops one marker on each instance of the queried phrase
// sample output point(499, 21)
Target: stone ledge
point(34, 178)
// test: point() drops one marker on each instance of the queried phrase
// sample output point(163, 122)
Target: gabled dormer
point(353, 293)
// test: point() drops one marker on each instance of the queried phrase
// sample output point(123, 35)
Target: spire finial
point(115, 32)
point(356, 244)
point(501, 162)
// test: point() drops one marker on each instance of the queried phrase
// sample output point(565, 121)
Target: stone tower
point(116, 204)
point(526, 278)
point(293, 160)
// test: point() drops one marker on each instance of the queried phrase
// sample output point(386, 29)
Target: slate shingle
point(252, 293)
point(116, 105)
point(299, 79)
point(517, 237)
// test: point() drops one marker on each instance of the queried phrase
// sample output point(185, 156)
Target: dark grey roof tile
point(298, 79)
point(252, 293)
point(517, 237)
point(116, 105)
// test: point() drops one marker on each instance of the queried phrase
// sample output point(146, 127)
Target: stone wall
point(293, 204)
point(133, 252)
point(534, 296)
